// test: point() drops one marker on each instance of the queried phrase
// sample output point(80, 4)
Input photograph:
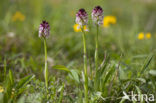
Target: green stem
point(96, 50)
point(5, 69)
point(46, 68)
point(96, 56)
point(85, 66)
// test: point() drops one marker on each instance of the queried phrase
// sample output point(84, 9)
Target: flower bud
point(44, 29)
point(82, 17)
point(97, 15)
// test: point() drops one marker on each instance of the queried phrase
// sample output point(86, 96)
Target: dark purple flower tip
point(44, 29)
point(82, 17)
point(98, 9)
point(97, 15)
point(81, 13)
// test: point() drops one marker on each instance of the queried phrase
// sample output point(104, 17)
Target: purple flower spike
point(82, 17)
point(97, 15)
point(44, 29)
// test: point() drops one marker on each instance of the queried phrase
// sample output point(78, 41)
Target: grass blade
point(61, 67)
point(24, 81)
point(145, 66)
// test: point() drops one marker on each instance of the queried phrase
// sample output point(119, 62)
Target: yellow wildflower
point(109, 20)
point(1, 89)
point(141, 36)
point(148, 35)
point(78, 29)
point(85, 28)
point(18, 16)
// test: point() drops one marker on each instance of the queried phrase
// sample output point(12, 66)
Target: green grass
point(125, 63)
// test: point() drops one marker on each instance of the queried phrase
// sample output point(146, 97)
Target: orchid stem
point(46, 68)
point(85, 66)
point(96, 55)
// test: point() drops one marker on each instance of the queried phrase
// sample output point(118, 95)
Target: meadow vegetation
point(77, 62)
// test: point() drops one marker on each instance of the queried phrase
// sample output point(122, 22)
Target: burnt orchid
point(97, 15)
point(82, 19)
point(44, 31)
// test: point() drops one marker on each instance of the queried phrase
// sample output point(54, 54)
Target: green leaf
point(123, 74)
point(61, 67)
point(152, 72)
point(75, 75)
point(61, 89)
point(108, 75)
point(102, 68)
point(104, 65)
point(141, 79)
point(11, 78)
point(24, 81)
point(148, 61)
